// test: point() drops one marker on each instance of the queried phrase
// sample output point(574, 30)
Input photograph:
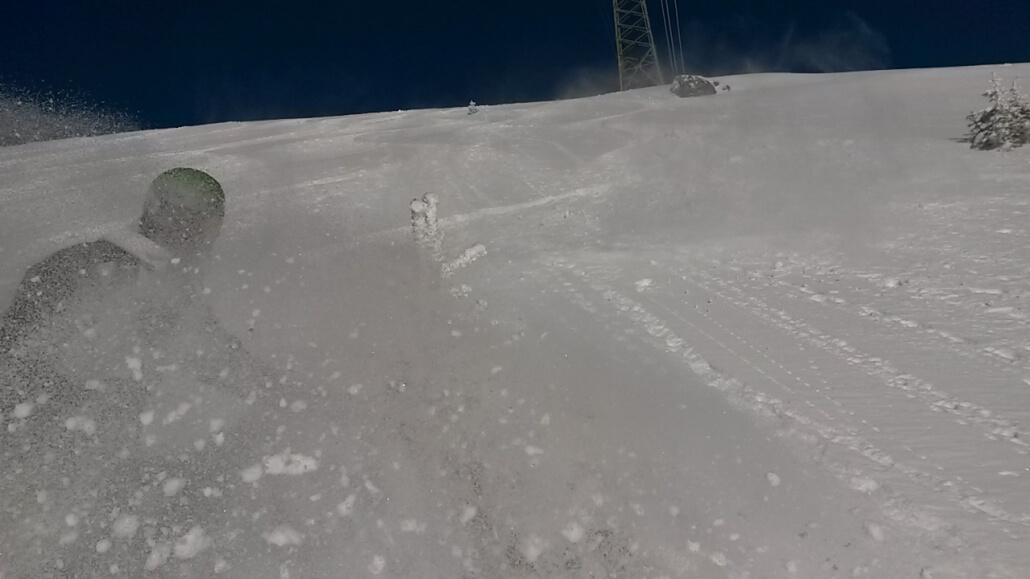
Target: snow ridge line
point(994, 427)
point(757, 402)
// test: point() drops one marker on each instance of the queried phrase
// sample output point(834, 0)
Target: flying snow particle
point(23, 410)
point(192, 543)
point(282, 536)
point(83, 424)
point(172, 486)
point(534, 451)
point(533, 547)
point(158, 556)
point(874, 531)
point(864, 485)
point(251, 474)
point(125, 526)
point(468, 514)
point(773, 478)
point(412, 526)
point(103, 546)
point(644, 284)
point(346, 508)
point(573, 532)
point(136, 366)
point(292, 464)
point(377, 565)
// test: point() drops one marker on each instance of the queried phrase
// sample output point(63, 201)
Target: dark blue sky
point(179, 62)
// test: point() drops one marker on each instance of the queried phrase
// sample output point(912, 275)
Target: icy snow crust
point(777, 332)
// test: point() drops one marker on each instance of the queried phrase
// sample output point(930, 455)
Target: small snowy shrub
point(1005, 124)
point(473, 107)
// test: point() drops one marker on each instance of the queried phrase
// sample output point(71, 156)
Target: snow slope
point(778, 332)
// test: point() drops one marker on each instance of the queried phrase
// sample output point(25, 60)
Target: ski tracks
point(877, 427)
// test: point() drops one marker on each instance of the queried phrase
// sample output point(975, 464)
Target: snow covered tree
point(1005, 124)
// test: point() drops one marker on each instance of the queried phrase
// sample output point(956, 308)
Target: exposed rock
point(690, 85)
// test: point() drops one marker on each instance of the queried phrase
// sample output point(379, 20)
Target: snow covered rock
point(690, 85)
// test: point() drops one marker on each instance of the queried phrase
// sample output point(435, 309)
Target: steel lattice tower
point(638, 60)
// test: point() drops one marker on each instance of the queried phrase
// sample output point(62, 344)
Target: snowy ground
point(777, 332)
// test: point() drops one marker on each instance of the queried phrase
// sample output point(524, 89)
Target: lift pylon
point(638, 60)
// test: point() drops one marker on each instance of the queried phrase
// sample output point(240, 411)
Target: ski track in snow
point(745, 364)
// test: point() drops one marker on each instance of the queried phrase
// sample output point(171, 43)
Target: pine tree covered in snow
point(1005, 124)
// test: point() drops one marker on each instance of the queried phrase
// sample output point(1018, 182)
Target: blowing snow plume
point(28, 117)
point(749, 46)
